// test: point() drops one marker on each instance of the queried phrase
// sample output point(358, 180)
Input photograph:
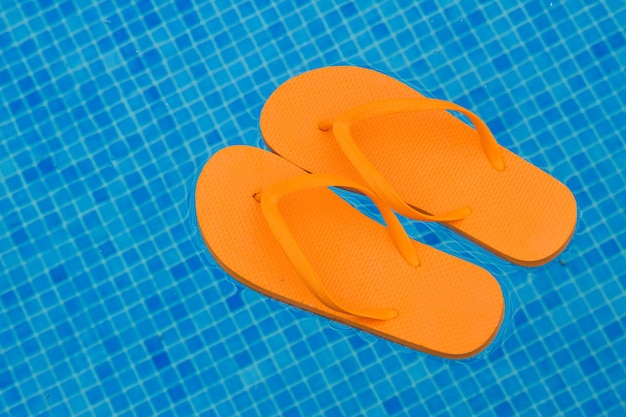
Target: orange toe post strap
point(269, 205)
point(341, 130)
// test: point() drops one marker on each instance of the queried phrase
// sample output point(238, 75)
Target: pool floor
point(110, 304)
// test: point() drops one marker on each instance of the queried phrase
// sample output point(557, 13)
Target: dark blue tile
point(161, 360)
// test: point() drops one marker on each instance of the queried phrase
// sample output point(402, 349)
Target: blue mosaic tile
point(110, 303)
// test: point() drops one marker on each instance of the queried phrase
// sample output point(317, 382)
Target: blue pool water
point(111, 305)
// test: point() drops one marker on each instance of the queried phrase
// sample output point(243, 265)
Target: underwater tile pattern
point(111, 305)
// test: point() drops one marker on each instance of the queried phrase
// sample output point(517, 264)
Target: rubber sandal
point(422, 160)
point(282, 232)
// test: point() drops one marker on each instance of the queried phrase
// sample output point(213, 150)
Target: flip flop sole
point(433, 160)
point(447, 306)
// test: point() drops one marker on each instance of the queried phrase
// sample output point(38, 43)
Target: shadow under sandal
point(423, 161)
point(282, 232)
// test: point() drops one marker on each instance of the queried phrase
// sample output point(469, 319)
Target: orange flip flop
point(423, 161)
point(282, 232)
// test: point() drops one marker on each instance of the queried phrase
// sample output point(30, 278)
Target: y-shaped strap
point(376, 181)
point(269, 204)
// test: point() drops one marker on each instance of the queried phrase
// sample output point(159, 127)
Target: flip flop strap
point(376, 181)
point(269, 204)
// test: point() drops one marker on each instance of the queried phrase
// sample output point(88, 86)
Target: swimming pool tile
point(230, 120)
